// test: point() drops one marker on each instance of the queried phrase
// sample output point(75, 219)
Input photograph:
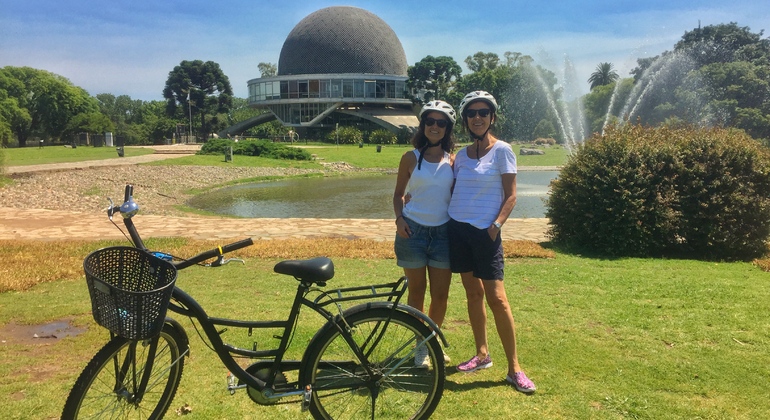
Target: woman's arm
point(509, 202)
point(405, 168)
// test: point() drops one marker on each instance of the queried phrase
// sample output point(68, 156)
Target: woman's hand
point(493, 231)
point(402, 228)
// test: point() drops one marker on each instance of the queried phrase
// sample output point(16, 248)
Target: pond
point(345, 197)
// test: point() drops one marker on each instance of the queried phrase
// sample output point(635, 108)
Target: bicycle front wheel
point(389, 384)
point(111, 384)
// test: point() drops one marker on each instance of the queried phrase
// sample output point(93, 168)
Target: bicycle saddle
point(315, 270)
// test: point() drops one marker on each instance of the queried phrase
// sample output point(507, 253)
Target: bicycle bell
point(129, 208)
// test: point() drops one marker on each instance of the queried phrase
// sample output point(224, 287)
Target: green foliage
point(716, 75)
point(345, 135)
point(262, 148)
point(435, 75)
point(44, 102)
point(91, 122)
point(382, 137)
point(664, 191)
point(544, 129)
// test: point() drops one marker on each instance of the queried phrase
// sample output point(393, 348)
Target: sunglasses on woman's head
point(483, 113)
point(430, 121)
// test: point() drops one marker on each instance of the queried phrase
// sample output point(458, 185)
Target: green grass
point(58, 154)
point(602, 339)
point(238, 161)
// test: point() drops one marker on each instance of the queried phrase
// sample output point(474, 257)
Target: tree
point(267, 69)
point(603, 75)
point(200, 88)
point(88, 122)
point(481, 61)
point(435, 75)
point(716, 75)
point(50, 101)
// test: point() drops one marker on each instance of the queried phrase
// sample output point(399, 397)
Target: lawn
point(602, 338)
point(58, 154)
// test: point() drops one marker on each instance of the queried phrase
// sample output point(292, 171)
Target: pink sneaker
point(521, 382)
point(475, 364)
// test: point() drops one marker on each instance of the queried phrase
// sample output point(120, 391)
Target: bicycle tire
point(341, 386)
point(98, 394)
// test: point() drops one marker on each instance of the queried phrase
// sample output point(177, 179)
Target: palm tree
point(604, 75)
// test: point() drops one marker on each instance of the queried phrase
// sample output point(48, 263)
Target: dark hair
point(419, 141)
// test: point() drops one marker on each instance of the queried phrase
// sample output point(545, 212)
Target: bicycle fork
point(133, 392)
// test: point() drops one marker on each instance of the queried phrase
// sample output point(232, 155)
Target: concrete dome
point(342, 39)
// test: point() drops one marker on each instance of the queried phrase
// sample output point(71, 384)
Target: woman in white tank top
point(422, 243)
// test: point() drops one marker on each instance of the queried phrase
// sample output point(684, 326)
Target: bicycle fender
point(173, 323)
point(402, 308)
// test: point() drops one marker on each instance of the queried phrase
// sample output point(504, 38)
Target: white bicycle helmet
point(439, 106)
point(478, 95)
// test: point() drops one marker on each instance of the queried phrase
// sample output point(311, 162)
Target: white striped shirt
point(478, 192)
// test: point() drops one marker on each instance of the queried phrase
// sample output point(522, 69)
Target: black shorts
point(471, 249)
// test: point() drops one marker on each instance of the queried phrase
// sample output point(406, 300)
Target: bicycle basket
point(130, 290)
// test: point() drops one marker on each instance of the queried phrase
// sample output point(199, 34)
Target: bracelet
point(399, 217)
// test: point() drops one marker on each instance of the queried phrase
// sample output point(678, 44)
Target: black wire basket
point(130, 290)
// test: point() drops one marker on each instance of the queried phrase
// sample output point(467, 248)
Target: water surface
point(345, 197)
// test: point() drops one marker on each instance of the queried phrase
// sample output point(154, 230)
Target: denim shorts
point(428, 246)
point(472, 250)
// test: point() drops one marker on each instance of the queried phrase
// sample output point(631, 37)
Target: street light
point(189, 111)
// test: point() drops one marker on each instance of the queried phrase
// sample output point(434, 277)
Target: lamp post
point(189, 111)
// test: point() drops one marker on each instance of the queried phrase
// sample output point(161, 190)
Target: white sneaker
point(447, 360)
point(421, 358)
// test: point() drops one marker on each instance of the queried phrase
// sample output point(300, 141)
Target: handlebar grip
point(203, 256)
point(129, 192)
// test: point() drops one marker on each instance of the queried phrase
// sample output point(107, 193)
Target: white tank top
point(430, 187)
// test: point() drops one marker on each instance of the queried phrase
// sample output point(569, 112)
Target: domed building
point(339, 65)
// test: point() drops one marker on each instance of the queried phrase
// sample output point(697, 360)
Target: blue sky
point(129, 47)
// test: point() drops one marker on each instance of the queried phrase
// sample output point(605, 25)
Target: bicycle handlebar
point(203, 256)
point(129, 209)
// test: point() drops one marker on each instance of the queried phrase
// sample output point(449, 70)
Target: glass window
point(359, 88)
point(336, 88)
point(347, 88)
point(313, 92)
point(325, 89)
point(284, 90)
point(293, 89)
point(303, 88)
point(370, 88)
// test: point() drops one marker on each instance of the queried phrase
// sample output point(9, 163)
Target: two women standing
point(481, 197)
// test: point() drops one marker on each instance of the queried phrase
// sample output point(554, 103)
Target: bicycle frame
point(184, 304)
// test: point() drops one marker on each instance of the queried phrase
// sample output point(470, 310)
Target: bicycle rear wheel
point(109, 385)
point(344, 389)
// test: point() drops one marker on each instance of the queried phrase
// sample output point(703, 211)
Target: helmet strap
point(422, 152)
point(478, 139)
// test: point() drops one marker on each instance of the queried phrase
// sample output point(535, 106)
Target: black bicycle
point(360, 364)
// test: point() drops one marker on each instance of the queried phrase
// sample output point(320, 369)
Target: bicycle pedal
point(306, 396)
point(231, 384)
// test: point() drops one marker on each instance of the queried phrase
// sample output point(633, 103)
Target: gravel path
point(157, 188)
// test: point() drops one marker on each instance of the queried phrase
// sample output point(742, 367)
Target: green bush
point(640, 191)
point(261, 148)
point(382, 137)
point(345, 135)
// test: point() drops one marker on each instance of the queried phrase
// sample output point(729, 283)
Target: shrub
point(345, 135)
point(664, 192)
point(261, 148)
point(382, 137)
point(542, 141)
